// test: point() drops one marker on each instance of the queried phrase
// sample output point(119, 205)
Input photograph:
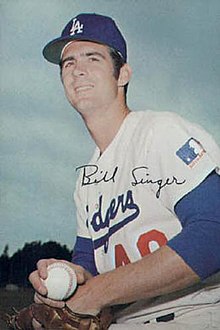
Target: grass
point(17, 299)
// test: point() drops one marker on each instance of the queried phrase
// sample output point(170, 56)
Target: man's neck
point(103, 128)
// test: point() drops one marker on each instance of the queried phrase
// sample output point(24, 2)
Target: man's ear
point(125, 75)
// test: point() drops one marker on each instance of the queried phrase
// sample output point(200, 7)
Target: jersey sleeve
point(181, 155)
point(83, 254)
point(199, 241)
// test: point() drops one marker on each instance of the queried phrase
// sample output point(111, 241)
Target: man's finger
point(36, 325)
point(53, 303)
point(42, 265)
point(37, 283)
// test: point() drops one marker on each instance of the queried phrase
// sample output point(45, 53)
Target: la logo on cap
point(77, 27)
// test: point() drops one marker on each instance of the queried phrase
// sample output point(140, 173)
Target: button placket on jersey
point(98, 194)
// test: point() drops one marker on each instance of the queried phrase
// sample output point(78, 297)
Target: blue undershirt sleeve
point(83, 254)
point(199, 241)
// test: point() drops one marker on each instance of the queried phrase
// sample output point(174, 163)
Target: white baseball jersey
point(125, 198)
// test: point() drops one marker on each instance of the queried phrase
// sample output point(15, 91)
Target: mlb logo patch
point(191, 152)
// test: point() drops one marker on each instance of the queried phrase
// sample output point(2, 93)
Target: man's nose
point(79, 69)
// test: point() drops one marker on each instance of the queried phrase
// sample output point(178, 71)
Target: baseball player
point(148, 210)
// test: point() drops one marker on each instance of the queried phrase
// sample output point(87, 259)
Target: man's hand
point(40, 274)
point(84, 300)
point(87, 299)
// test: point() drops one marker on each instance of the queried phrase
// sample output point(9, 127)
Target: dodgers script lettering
point(123, 206)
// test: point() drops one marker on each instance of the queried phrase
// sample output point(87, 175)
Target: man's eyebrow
point(69, 58)
point(87, 54)
point(92, 53)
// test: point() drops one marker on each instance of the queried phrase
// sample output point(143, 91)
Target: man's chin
point(84, 106)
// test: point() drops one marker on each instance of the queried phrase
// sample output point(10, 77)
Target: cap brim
point(53, 50)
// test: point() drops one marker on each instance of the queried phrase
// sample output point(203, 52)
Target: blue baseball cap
point(88, 27)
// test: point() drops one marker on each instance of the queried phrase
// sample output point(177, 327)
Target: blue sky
point(174, 51)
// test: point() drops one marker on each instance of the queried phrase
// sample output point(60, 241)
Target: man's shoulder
point(155, 118)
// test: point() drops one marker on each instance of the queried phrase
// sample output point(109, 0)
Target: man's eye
point(68, 64)
point(94, 59)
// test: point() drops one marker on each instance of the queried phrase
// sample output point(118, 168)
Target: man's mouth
point(83, 88)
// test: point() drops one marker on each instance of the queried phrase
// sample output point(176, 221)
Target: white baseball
point(61, 281)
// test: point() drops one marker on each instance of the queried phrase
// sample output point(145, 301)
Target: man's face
point(88, 76)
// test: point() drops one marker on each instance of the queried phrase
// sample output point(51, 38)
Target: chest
point(125, 216)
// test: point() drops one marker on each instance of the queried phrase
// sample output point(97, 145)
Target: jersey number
point(146, 244)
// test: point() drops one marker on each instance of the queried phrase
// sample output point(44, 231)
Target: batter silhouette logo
point(76, 28)
point(191, 152)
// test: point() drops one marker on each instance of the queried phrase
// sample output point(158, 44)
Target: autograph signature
point(141, 175)
point(91, 174)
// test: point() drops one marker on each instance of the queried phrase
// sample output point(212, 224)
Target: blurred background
point(174, 50)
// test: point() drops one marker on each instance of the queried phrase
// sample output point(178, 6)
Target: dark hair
point(118, 63)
